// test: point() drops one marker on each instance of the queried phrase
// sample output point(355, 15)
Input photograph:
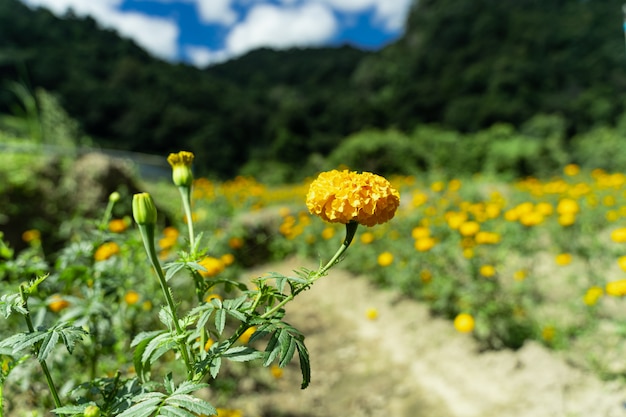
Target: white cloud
point(201, 56)
point(391, 14)
point(157, 35)
point(272, 26)
point(216, 11)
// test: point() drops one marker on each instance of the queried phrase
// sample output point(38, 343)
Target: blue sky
point(203, 32)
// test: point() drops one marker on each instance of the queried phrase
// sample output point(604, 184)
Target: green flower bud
point(92, 411)
point(181, 168)
point(144, 210)
point(114, 197)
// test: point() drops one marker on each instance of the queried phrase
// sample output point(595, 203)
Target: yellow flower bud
point(144, 210)
point(92, 411)
point(181, 168)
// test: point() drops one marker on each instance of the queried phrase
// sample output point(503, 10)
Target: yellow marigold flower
point(328, 233)
point(455, 219)
point(213, 296)
point(621, 261)
point(245, 337)
point(106, 250)
point(487, 271)
point(469, 228)
point(118, 225)
point(571, 170)
point(487, 238)
point(225, 412)
point(32, 235)
point(367, 238)
point(212, 265)
point(57, 303)
point(548, 333)
point(563, 259)
point(592, 295)
point(567, 219)
point(227, 259)
point(344, 196)
point(544, 208)
point(567, 206)
point(464, 323)
point(531, 218)
point(131, 297)
point(371, 314)
point(424, 244)
point(420, 232)
point(619, 235)
point(276, 371)
point(181, 168)
point(437, 186)
point(208, 344)
point(235, 243)
point(616, 288)
point(519, 275)
point(468, 253)
point(385, 259)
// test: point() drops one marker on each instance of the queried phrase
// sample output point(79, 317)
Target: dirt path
point(408, 364)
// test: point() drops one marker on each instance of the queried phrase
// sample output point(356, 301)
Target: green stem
point(185, 195)
point(106, 217)
point(147, 235)
point(42, 363)
point(350, 232)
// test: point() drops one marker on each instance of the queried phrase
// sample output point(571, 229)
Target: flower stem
point(185, 195)
point(42, 363)
point(350, 232)
point(147, 235)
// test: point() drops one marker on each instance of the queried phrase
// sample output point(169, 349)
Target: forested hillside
point(462, 64)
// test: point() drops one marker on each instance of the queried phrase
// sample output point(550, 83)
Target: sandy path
point(408, 364)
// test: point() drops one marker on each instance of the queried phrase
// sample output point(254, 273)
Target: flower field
point(506, 262)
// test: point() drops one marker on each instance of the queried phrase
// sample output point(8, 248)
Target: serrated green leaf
point(145, 335)
point(70, 409)
point(287, 352)
point(70, 336)
point(157, 347)
point(143, 408)
point(242, 354)
point(193, 404)
point(10, 303)
point(172, 269)
point(272, 349)
point(165, 316)
point(22, 341)
point(173, 411)
point(214, 366)
point(168, 383)
point(51, 339)
point(220, 320)
point(305, 365)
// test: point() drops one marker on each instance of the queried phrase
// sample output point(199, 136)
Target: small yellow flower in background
point(468, 253)
point(213, 296)
point(385, 259)
point(235, 243)
point(420, 232)
point(371, 314)
point(181, 168)
point(571, 170)
point(245, 337)
point(367, 238)
point(519, 275)
point(32, 235)
point(469, 228)
point(567, 219)
point(616, 288)
point(487, 271)
point(619, 235)
point(532, 218)
point(437, 186)
point(344, 196)
point(57, 303)
point(621, 261)
point(106, 251)
point(592, 295)
point(146, 305)
point(212, 265)
point(612, 216)
point(328, 233)
point(487, 238)
point(227, 259)
point(118, 225)
point(276, 371)
point(426, 276)
point(131, 297)
point(208, 344)
point(563, 259)
point(567, 206)
point(226, 412)
point(464, 323)
point(425, 244)
point(548, 333)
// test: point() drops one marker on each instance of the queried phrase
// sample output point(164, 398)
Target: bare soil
point(406, 363)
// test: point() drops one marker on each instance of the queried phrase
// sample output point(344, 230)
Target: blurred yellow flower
point(567, 219)
point(212, 266)
point(276, 371)
point(420, 232)
point(131, 297)
point(32, 235)
point(567, 206)
point(57, 303)
point(487, 271)
point(469, 228)
point(592, 295)
point(227, 259)
point(118, 225)
point(424, 244)
point(621, 261)
point(437, 186)
point(367, 238)
point(106, 250)
point(385, 259)
point(344, 196)
point(245, 337)
point(616, 288)
point(563, 259)
point(235, 243)
point(208, 344)
point(548, 333)
point(464, 323)
point(519, 275)
point(328, 233)
point(571, 170)
point(619, 235)
point(371, 314)
point(426, 276)
point(487, 238)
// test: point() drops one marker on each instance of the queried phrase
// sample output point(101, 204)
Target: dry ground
point(409, 364)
